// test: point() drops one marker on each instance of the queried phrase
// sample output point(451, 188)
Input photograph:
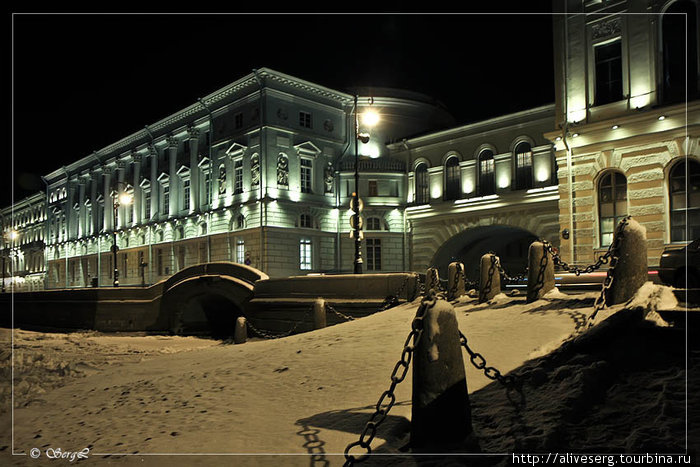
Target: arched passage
point(210, 313)
point(509, 243)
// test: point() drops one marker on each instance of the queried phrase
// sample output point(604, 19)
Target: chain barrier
point(388, 398)
point(489, 275)
point(313, 445)
point(269, 335)
point(330, 308)
point(516, 278)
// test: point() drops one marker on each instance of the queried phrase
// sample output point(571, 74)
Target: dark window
point(238, 177)
point(608, 73)
point(305, 119)
point(422, 189)
point(373, 223)
point(684, 194)
point(238, 119)
point(487, 175)
point(452, 190)
point(612, 204)
point(679, 70)
point(306, 221)
point(374, 254)
point(372, 189)
point(523, 166)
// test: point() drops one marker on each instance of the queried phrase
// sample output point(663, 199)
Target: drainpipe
point(405, 234)
point(209, 195)
point(150, 227)
point(46, 235)
point(263, 204)
point(565, 130)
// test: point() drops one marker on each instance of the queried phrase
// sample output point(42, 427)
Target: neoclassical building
point(262, 171)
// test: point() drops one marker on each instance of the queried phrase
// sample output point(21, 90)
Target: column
point(81, 207)
point(172, 173)
point(94, 176)
point(71, 226)
point(194, 169)
point(155, 188)
point(107, 220)
point(138, 195)
point(121, 187)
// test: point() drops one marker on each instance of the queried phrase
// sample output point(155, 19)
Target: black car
point(678, 264)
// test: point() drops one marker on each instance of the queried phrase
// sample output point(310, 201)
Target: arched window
point(684, 196)
point(487, 175)
point(422, 189)
point(240, 221)
point(612, 204)
point(452, 190)
point(679, 68)
point(523, 166)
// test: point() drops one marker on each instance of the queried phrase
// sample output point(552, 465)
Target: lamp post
point(370, 119)
point(117, 200)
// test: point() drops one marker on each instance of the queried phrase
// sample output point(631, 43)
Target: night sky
point(84, 81)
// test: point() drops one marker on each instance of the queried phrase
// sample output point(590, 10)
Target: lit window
point(166, 199)
point(238, 176)
point(523, 166)
point(422, 191)
point(207, 188)
point(305, 254)
point(684, 195)
point(186, 194)
point(374, 254)
point(487, 176)
point(147, 204)
point(240, 251)
point(612, 204)
point(452, 190)
point(306, 166)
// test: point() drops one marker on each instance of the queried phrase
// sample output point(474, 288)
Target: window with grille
point(422, 188)
point(207, 188)
point(306, 221)
point(166, 199)
point(684, 195)
point(240, 221)
point(372, 189)
point(523, 166)
point(612, 204)
point(374, 254)
point(374, 223)
point(147, 204)
point(608, 72)
point(305, 254)
point(487, 176)
point(306, 166)
point(240, 251)
point(305, 119)
point(186, 194)
point(452, 190)
point(238, 176)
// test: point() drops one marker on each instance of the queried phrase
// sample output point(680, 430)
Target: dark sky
point(83, 81)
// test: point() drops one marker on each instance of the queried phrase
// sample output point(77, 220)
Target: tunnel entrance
point(510, 244)
point(209, 314)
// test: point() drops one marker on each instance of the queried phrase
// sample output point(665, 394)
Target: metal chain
point(517, 277)
point(489, 280)
point(330, 308)
point(269, 335)
point(388, 398)
point(479, 363)
point(614, 253)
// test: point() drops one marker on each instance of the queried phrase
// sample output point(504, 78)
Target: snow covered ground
point(161, 400)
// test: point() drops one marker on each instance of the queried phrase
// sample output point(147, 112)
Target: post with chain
point(432, 279)
point(441, 414)
point(540, 275)
point(455, 280)
point(490, 278)
point(240, 332)
point(319, 313)
point(629, 262)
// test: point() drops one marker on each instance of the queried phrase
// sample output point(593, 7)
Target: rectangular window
point(186, 194)
point(306, 166)
point(166, 200)
point(523, 174)
point(305, 119)
point(372, 188)
point(147, 204)
point(608, 72)
point(238, 120)
point(240, 251)
point(125, 265)
point(207, 188)
point(487, 166)
point(305, 254)
point(238, 176)
point(349, 187)
point(374, 254)
point(388, 188)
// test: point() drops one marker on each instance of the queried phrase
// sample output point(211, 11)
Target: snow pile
point(616, 391)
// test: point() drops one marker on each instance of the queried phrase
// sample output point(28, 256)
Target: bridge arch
point(207, 298)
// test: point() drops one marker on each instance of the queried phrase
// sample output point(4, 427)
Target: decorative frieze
point(608, 28)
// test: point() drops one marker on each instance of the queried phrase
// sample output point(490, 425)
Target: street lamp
point(370, 119)
point(12, 235)
point(117, 200)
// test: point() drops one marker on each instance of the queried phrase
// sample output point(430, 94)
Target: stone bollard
point(540, 271)
point(440, 413)
point(240, 332)
point(319, 313)
point(630, 272)
point(432, 279)
point(455, 281)
point(490, 278)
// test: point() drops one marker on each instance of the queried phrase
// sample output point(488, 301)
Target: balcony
point(366, 164)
